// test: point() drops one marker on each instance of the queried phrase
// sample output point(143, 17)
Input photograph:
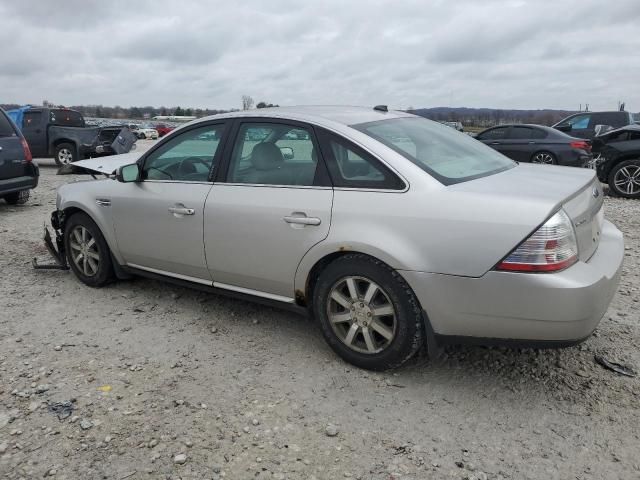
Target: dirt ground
point(165, 383)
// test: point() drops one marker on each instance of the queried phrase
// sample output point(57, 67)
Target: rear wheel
point(367, 312)
point(87, 251)
point(624, 179)
point(544, 158)
point(17, 198)
point(65, 153)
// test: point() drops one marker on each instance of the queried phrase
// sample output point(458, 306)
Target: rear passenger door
point(269, 205)
point(523, 141)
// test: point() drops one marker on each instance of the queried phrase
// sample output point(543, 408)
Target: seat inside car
point(267, 162)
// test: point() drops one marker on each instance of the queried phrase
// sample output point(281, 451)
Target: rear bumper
point(18, 184)
point(559, 308)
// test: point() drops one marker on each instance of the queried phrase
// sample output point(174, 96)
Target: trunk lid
point(532, 194)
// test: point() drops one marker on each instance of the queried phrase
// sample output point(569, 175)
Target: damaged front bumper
point(57, 251)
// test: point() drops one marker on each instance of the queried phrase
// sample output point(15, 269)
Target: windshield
point(448, 155)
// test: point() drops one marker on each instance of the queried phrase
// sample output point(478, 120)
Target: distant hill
point(486, 117)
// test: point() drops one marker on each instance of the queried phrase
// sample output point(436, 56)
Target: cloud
point(201, 53)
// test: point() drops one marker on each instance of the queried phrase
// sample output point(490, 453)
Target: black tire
point(544, 158)
point(66, 153)
point(17, 198)
point(104, 271)
point(408, 324)
point(624, 179)
point(142, 136)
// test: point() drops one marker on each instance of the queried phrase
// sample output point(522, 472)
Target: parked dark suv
point(18, 173)
point(583, 125)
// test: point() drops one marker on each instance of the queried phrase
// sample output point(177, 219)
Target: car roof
point(345, 115)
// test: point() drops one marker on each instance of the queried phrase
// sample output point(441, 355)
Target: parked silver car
point(390, 229)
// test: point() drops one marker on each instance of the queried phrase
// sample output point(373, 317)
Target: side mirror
point(128, 173)
point(287, 153)
point(564, 127)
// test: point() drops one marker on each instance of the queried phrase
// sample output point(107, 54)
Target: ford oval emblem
point(596, 192)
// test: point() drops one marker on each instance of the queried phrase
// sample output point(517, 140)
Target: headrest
point(266, 156)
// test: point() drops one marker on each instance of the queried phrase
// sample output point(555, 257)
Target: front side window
point(497, 133)
point(440, 151)
point(188, 157)
point(273, 154)
point(579, 122)
point(31, 119)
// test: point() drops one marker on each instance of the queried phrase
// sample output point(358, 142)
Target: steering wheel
point(187, 165)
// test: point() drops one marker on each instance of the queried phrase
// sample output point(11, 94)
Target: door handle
point(532, 143)
point(495, 143)
point(181, 211)
point(302, 220)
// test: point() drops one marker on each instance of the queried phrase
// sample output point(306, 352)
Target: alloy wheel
point(627, 180)
point(544, 158)
point(361, 314)
point(65, 156)
point(84, 251)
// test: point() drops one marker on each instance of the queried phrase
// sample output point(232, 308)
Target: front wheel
point(624, 179)
point(87, 251)
point(17, 198)
point(65, 153)
point(544, 158)
point(367, 312)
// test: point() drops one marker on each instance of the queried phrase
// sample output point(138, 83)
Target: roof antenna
point(381, 108)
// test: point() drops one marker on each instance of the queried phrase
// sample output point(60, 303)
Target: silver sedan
point(392, 231)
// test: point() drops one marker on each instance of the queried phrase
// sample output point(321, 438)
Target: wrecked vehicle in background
point(617, 160)
point(63, 134)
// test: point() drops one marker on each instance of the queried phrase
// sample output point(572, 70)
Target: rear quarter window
point(66, 118)
point(6, 127)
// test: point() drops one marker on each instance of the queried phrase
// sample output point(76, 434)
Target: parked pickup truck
point(62, 134)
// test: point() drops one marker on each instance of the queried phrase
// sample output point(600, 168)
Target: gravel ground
point(164, 382)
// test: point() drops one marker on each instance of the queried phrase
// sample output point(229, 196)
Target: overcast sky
point(422, 53)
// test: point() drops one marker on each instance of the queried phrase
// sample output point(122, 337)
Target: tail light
point(551, 248)
point(581, 144)
point(27, 151)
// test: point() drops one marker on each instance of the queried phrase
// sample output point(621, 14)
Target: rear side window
point(273, 154)
point(527, 133)
point(6, 127)
point(614, 119)
point(66, 118)
point(351, 167)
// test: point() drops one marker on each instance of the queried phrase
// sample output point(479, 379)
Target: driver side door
point(159, 219)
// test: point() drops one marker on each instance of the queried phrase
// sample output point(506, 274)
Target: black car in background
point(583, 125)
point(18, 173)
point(618, 161)
point(537, 144)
